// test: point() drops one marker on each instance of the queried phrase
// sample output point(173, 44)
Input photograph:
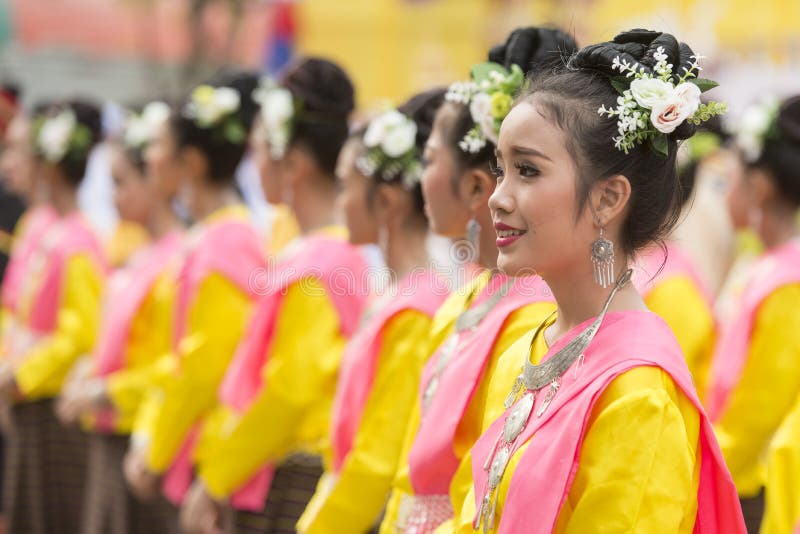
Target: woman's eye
point(496, 170)
point(526, 170)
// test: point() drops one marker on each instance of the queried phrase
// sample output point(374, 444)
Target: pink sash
point(67, 237)
point(432, 462)
point(420, 291)
point(646, 275)
point(232, 249)
point(125, 293)
point(548, 466)
point(32, 228)
point(776, 268)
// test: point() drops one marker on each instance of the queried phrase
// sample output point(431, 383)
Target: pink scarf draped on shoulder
point(32, 227)
point(124, 296)
point(776, 268)
point(547, 468)
point(228, 247)
point(432, 461)
point(420, 291)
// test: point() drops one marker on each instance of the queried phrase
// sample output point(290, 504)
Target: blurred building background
point(132, 50)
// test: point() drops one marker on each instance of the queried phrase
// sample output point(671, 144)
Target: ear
point(475, 187)
point(296, 164)
point(761, 187)
point(195, 161)
point(389, 203)
point(608, 199)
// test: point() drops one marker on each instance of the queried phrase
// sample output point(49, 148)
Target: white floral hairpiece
point(216, 107)
point(278, 112)
point(58, 136)
point(489, 95)
point(141, 129)
point(651, 107)
point(391, 149)
point(757, 123)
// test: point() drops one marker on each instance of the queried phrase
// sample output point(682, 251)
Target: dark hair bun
point(638, 47)
point(87, 114)
point(327, 98)
point(789, 120)
point(422, 108)
point(781, 154)
point(245, 82)
point(534, 49)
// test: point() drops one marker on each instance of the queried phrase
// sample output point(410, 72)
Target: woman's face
point(353, 198)
point(740, 196)
point(447, 212)
point(163, 167)
point(268, 168)
point(132, 194)
point(16, 161)
point(534, 205)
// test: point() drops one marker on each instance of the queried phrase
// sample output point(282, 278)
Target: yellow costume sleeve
point(215, 324)
point(678, 301)
point(149, 342)
point(782, 510)
point(359, 490)
point(300, 378)
point(43, 370)
point(768, 386)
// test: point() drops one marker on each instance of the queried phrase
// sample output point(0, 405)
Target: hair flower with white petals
point(217, 108)
point(650, 107)
point(391, 141)
point(755, 126)
point(278, 111)
point(141, 129)
point(489, 95)
point(59, 136)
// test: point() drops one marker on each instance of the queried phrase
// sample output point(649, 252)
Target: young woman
point(756, 368)
point(380, 171)
point(481, 320)
point(203, 144)
point(55, 323)
point(135, 332)
point(669, 280)
point(283, 376)
point(604, 431)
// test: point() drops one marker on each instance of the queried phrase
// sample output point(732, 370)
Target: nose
point(502, 199)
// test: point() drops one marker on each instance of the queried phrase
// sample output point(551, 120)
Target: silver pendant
point(430, 392)
point(518, 418)
point(499, 466)
point(551, 394)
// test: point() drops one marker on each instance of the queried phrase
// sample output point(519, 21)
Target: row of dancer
point(282, 395)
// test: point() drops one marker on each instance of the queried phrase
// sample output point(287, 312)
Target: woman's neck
point(162, 221)
point(778, 225)
point(64, 199)
point(487, 242)
point(313, 204)
point(405, 251)
point(210, 199)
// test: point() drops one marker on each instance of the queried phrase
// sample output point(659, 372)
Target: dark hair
point(781, 153)
point(326, 98)
point(571, 98)
point(87, 114)
point(223, 156)
point(536, 51)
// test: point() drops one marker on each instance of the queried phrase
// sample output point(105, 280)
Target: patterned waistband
point(422, 514)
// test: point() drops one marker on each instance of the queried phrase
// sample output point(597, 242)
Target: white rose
point(226, 100)
point(55, 135)
point(277, 107)
point(650, 91)
point(480, 107)
point(399, 139)
point(381, 125)
point(667, 115)
point(155, 114)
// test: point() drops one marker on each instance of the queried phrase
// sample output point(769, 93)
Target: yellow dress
point(128, 237)
point(283, 229)
point(681, 304)
point(301, 375)
point(43, 369)
point(352, 500)
point(767, 388)
point(188, 381)
point(470, 427)
point(782, 507)
point(643, 482)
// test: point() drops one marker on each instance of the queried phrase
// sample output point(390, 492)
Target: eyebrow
point(524, 151)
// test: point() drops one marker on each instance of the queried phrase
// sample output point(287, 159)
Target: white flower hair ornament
point(278, 112)
point(141, 129)
point(61, 136)
point(758, 123)
point(391, 149)
point(651, 105)
point(217, 108)
point(489, 95)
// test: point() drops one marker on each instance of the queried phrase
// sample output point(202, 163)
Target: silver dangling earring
point(473, 237)
point(603, 260)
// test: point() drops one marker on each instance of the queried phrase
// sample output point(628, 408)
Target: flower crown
point(667, 105)
point(489, 95)
point(216, 108)
point(278, 112)
point(391, 149)
point(141, 129)
point(61, 136)
point(758, 123)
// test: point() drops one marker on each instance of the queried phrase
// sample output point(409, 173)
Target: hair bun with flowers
point(142, 128)
point(657, 80)
point(489, 95)
point(391, 142)
point(217, 108)
point(61, 136)
point(278, 112)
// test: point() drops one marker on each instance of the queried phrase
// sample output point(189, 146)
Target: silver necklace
point(534, 378)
